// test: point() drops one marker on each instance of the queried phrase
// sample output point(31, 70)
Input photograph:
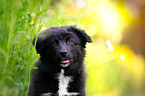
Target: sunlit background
point(114, 62)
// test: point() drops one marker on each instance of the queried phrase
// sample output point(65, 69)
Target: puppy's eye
point(70, 42)
point(55, 42)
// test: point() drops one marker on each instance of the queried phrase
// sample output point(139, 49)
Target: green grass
point(20, 21)
point(18, 26)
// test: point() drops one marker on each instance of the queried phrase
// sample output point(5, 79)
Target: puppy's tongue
point(64, 61)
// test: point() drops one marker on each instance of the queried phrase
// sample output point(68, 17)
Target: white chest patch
point(63, 83)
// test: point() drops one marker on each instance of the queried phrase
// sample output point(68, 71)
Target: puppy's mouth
point(66, 62)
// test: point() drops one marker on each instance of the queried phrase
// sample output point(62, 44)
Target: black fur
point(51, 44)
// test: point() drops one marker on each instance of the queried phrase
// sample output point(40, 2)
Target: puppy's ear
point(80, 33)
point(38, 43)
point(83, 36)
point(40, 40)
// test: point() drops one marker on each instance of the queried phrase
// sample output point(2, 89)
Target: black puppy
point(60, 66)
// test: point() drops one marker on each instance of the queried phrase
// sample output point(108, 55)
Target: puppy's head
point(61, 45)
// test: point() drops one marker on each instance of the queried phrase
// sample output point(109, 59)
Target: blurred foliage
point(113, 69)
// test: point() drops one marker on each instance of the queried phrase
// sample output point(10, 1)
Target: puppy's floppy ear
point(83, 36)
point(39, 44)
point(80, 33)
point(40, 40)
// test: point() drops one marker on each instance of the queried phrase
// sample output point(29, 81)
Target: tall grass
point(20, 20)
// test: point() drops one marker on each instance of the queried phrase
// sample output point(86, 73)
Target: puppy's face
point(60, 45)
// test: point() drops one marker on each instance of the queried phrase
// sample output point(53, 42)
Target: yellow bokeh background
point(113, 68)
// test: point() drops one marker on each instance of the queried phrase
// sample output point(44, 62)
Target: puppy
point(60, 66)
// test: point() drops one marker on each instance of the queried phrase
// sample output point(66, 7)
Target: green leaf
point(41, 12)
point(31, 67)
point(29, 16)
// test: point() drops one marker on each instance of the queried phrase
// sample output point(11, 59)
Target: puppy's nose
point(63, 54)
